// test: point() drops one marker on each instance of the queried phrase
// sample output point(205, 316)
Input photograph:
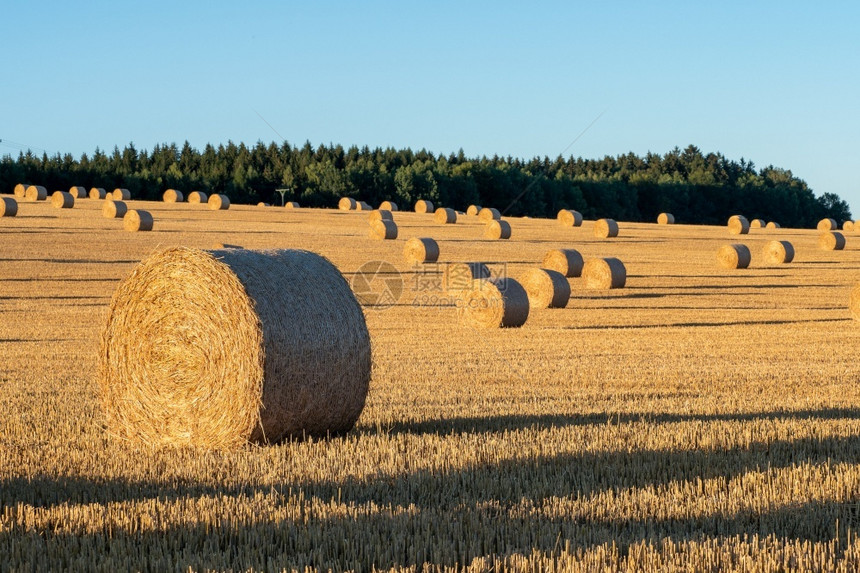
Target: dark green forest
point(695, 187)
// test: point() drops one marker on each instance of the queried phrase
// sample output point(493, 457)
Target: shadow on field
point(701, 324)
point(69, 261)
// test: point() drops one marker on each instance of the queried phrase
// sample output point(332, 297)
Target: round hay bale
point(78, 192)
point(383, 230)
point(388, 206)
point(473, 210)
point(604, 273)
point(97, 193)
point(274, 346)
point(566, 261)
point(380, 215)
point(854, 302)
point(291, 205)
point(20, 190)
point(363, 206)
point(827, 225)
point(418, 250)
point(62, 200)
point(546, 288)
point(778, 252)
point(218, 202)
point(489, 214)
point(137, 220)
point(497, 230)
point(756, 224)
point(445, 216)
point(36, 193)
point(569, 218)
point(831, 241)
point(734, 256)
point(347, 204)
point(8, 207)
point(121, 194)
point(114, 209)
point(494, 303)
point(848, 226)
point(263, 204)
point(198, 197)
point(173, 196)
point(459, 276)
point(605, 228)
point(738, 225)
point(772, 225)
point(422, 206)
point(665, 219)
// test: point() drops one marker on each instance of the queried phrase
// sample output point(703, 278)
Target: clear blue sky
point(775, 82)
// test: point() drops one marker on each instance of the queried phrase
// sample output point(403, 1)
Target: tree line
point(695, 187)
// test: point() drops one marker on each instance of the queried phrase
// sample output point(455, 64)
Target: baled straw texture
point(173, 196)
point(114, 209)
point(566, 261)
point(418, 250)
point(36, 193)
point(772, 225)
point(778, 252)
point(8, 207)
point(854, 302)
point(665, 219)
point(380, 215)
point(291, 205)
point(198, 197)
point(848, 226)
point(445, 216)
point(20, 190)
point(383, 230)
point(422, 206)
point(831, 241)
point(605, 273)
point(473, 210)
point(497, 230)
point(218, 202)
point(489, 214)
point(569, 218)
point(121, 194)
point(215, 349)
point(78, 192)
point(459, 276)
point(364, 206)
point(827, 225)
point(734, 256)
point(62, 200)
point(494, 303)
point(347, 204)
point(137, 220)
point(546, 288)
point(388, 206)
point(738, 225)
point(98, 193)
point(605, 228)
point(756, 224)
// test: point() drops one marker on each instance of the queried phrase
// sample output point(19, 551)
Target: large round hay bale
point(78, 192)
point(418, 250)
point(114, 209)
point(20, 190)
point(569, 218)
point(734, 256)
point(388, 206)
point(422, 206)
point(665, 219)
point(347, 204)
point(198, 197)
point(827, 225)
point(291, 205)
point(848, 226)
point(363, 206)
point(566, 261)
point(218, 202)
point(831, 241)
point(778, 252)
point(756, 224)
point(494, 303)
point(173, 196)
point(121, 194)
point(546, 288)
point(445, 216)
point(473, 210)
point(738, 225)
point(459, 276)
point(62, 200)
point(36, 193)
point(497, 230)
point(604, 273)
point(380, 215)
point(489, 214)
point(854, 302)
point(772, 225)
point(263, 204)
point(605, 228)
point(383, 230)
point(215, 349)
point(137, 220)
point(97, 193)
point(8, 207)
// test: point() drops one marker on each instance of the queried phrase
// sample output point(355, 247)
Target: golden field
point(698, 419)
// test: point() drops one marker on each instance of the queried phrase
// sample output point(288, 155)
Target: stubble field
point(697, 419)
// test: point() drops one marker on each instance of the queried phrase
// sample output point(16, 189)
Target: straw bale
point(604, 273)
point(734, 256)
point(419, 250)
point(546, 288)
point(494, 303)
point(566, 261)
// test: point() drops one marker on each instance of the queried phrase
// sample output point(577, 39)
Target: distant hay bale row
point(827, 225)
point(137, 220)
point(568, 262)
point(419, 250)
point(8, 207)
point(445, 216)
point(379, 215)
point(422, 206)
point(605, 228)
point(545, 288)
point(854, 302)
point(120, 194)
point(494, 303)
point(665, 219)
point(172, 196)
point(218, 202)
point(778, 252)
point(198, 197)
point(114, 209)
point(831, 241)
point(497, 230)
point(98, 193)
point(383, 230)
point(388, 206)
point(276, 347)
point(36, 193)
point(489, 214)
point(473, 210)
point(734, 256)
point(569, 218)
point(738, 225)
point(78, 192)
point(604, 273)
point(62, 200)
point(458, 277)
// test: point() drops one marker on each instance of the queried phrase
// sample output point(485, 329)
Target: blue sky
point(777, 83)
